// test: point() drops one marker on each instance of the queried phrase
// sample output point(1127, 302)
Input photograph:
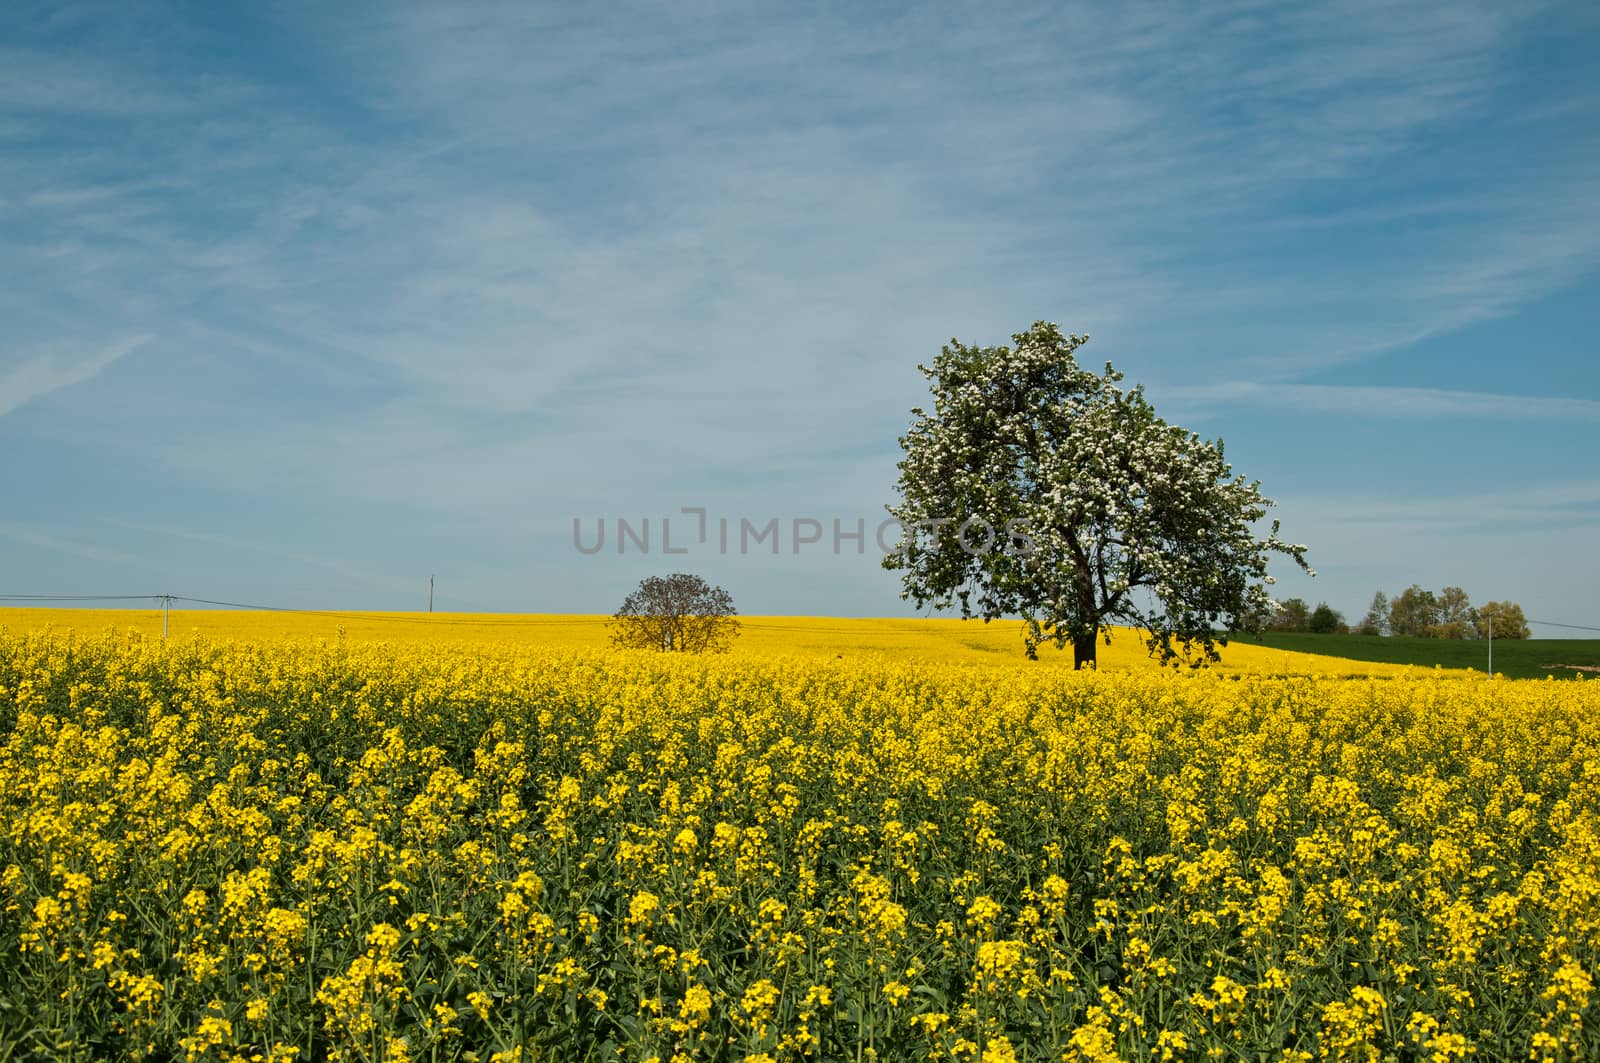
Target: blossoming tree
point(1039, 488)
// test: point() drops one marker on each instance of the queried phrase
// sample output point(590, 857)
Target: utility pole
point(1491, 645)
point(430, 594)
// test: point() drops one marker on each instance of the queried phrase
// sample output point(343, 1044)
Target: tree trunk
point(1083, 650)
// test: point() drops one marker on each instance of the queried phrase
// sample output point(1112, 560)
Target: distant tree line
point(1448, 614)
point(1293, 614)
point(1414, 612)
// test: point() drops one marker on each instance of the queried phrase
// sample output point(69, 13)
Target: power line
point(159, 599)
point(431, 620)
point(1572, 627)
point(78, 597)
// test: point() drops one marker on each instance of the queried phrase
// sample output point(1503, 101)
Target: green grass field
point(1525, 659)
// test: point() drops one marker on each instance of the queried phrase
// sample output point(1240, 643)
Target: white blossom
point(1117, 502)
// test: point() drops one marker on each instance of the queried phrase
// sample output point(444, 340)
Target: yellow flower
point(695, 1008)
point(642, 909)
point(998, 1050)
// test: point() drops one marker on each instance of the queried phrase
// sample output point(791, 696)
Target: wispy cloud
point(498, 264)
point(1350, 400)
point(37, 374)
point(53, 541)
point(354, 575)
point(32, 82)
point(1527, 542)
point(1557, 502)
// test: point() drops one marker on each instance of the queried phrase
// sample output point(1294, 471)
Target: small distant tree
point(1457, 619)
point(1292, 615)
point(1376, 622)
point(1504, 619)
point(1255, 618)
point(679, 613)
point(1326, 620)
point(1413, 611)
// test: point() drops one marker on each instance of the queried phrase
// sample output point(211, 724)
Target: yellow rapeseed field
point(943, 641)
point(496, 847)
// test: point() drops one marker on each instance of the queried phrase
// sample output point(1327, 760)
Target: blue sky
point(304, 302)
